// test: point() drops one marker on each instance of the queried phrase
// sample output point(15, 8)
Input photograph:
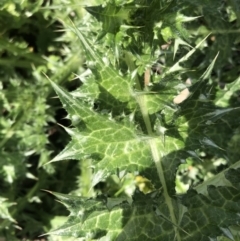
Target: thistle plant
point(143, 109)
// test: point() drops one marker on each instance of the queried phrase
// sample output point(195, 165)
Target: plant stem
point(142, 104)
point(128, 59)
point(157, 159)
point(86, 178)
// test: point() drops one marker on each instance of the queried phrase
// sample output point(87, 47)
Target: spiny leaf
point(208, 72)
point(215, 208)
point(225, 96)
point(161, 137)
point(114, 145)
point(115, 91)
point(219, 180)
point(206, 215)
point(118, 223)
point(4, 214)
point(162, 93)
point(173, 26)
point(177, 67)
point(111, 16)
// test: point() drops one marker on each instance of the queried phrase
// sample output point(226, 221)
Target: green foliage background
point(119, 121)
point(33, 42)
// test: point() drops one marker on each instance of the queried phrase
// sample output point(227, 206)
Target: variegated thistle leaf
point(114, 146)
point(111, 16)
point(208, 211)
point(144, 132)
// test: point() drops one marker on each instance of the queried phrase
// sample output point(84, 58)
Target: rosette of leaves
point(127, 126)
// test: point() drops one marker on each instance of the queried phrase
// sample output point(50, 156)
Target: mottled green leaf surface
point(114, 90)
point(145, 218)
point(127, 126)
point(111, 16)
point(113, 145)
